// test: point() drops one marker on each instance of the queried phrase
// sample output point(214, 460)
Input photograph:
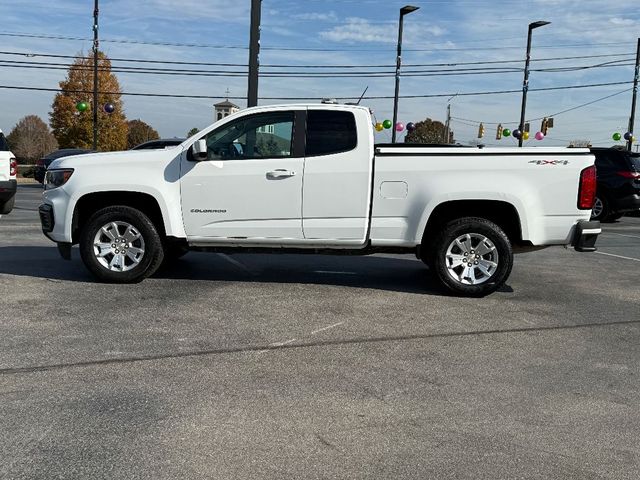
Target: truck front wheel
point(121, 245)
point(472, 256)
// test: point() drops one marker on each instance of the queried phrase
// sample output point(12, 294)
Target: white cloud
point(359, 30)
point(316, 16)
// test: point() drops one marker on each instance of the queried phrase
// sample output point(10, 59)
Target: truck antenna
point(361, 96)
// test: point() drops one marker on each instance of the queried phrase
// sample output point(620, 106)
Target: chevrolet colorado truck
point(309, 178)
point(8, 172)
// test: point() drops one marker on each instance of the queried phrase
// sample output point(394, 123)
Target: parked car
point(158, 144)
point(43, 164)
point(618, 177)
point(8, 173)
point(309, 179)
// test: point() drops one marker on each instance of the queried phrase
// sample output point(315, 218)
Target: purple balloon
point(399, 127)
point(411, 127)
point(628, 135)
point(516, 133)
point(109, 107)
point(539, 136)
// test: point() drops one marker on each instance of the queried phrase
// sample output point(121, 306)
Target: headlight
point(57, 178)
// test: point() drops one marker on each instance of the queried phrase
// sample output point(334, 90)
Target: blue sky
point(346, 32)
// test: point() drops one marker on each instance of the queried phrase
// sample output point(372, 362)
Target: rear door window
point(330, 132)
point(635, 162)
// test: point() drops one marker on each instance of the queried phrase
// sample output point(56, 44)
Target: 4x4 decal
point(550, 162)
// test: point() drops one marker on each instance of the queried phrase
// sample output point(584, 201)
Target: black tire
point(604, 212)
point(150, 260)
point(476, 228)
point(7, 206)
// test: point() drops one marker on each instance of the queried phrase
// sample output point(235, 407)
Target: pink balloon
point(399, 127)
point(539, 136)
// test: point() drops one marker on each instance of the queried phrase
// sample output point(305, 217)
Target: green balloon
point(617, 136)
point(506, 132)
point(387, 124)
point(82, 106)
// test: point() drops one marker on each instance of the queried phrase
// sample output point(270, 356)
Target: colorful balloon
point(411, 127)
point(109, 107)
point(399, 127)
point(516, 133)
point(387, 124)
point(616, 136)
point(525, 135)
point(82, 106)
point(539, 136)
point(628, 136)
point(506, 132)
point(379, 127)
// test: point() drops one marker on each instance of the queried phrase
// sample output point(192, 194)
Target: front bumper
point(8, 189)
point(585, 235)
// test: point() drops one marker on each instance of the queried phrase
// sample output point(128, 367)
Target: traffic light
point(544, 126)
point(527, 127)
point(481, 130)
point(499, 132)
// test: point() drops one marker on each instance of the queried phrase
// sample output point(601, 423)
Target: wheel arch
point(503, 214)
point(90, 203)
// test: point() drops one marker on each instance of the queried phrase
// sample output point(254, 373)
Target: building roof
point(226, 104)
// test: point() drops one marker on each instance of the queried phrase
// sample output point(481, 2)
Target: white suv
point(8, 172)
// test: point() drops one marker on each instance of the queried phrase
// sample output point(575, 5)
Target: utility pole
point(447, 125)
point(95, 75)
point(632, 118)
point(254, 53)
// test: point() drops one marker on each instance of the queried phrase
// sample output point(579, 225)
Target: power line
point(346, 66)
point(304, 49)
point(372, 97)
point(477, 122)
point(294, 74)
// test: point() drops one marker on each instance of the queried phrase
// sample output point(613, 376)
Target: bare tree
point(31, 139)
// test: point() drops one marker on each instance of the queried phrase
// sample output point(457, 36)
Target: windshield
point(635, 161)
point(4, 146)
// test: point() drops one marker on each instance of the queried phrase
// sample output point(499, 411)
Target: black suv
point(43, 163)
point(618, 183)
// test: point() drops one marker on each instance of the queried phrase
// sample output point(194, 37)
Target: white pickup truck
point(8, 172)
point(308, 178)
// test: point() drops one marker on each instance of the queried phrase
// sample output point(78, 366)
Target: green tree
point(140, 132)
point(30, 139)
point(192, 132)
point(74, 129)
point(429, 131)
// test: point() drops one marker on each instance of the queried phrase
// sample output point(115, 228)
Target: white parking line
point(327, 328)
point(619, 256)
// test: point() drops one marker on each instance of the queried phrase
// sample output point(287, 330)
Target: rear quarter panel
point(542, 185)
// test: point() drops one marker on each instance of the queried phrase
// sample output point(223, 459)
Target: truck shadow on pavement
point(406, 275)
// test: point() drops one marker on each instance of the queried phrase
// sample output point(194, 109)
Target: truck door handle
point(280, 173)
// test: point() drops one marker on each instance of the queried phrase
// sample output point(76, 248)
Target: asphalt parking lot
point(285, 366)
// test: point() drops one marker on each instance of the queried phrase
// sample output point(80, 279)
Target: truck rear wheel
point(472, 256)
point(121, 245)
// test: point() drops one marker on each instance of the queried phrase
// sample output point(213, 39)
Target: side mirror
point(199, 150)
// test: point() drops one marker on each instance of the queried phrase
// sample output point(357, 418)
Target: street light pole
point(632, 118)
point(525, 83)
point(95, 75)
point(403, 11)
